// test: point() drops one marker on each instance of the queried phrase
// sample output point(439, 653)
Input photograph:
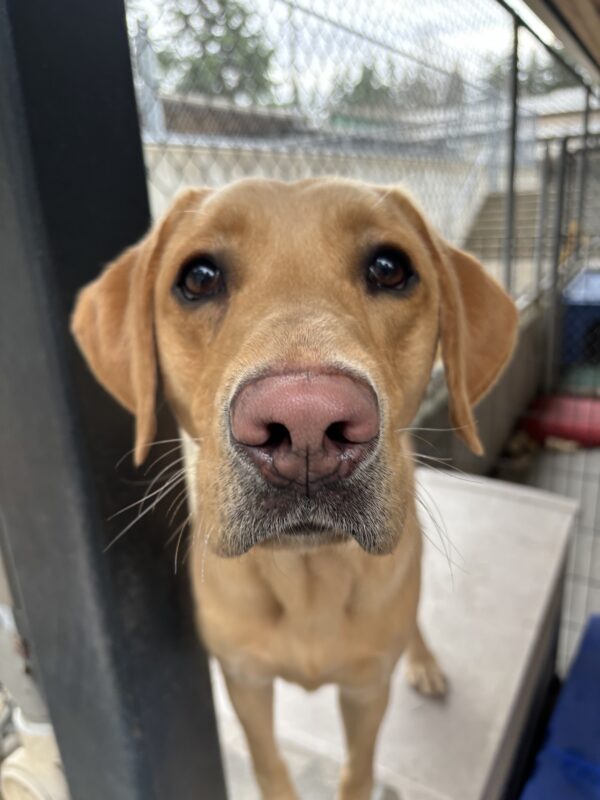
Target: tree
point(369, 91)
point(536, 76)
point(416, 89)
point(454, 92)
point(559, 77)
point(211, 47)
point(419, 88)
point(532, 79)
point(498, 74)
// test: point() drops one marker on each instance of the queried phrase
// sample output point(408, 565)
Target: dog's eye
point(200, 279)
point(390, 269)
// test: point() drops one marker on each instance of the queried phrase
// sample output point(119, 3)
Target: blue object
point(568, 766)
point(584, 288)
point(581, 318)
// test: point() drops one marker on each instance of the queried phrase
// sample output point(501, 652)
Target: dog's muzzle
point(305, 463)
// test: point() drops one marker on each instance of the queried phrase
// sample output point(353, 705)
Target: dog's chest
point(300, 618)
point(306, 641)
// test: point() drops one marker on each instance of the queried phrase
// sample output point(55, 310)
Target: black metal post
point(512, 160)
point(111, 633)
point(553, 308)
point(582, 175)
point(540, 231)
point(552, 51)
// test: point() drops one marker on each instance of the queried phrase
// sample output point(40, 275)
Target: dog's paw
point(424, 675)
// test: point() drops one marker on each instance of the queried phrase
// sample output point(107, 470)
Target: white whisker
point(150, 444)
point(160, 458)
point(163, 492)
point(180, 499)
point(148, 494)
point(181, 530)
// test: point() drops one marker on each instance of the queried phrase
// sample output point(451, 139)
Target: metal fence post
point(582, 175)
point(111, 634)
point(540, 232)
point(512, 160)
point(553, 306)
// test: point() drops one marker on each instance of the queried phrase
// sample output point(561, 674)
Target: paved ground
point(486, 609)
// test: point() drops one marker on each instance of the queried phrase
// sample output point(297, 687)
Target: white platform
point(488, 618)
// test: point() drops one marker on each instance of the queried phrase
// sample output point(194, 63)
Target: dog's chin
point(306, 537)
point(303, 538)
point(257, 514)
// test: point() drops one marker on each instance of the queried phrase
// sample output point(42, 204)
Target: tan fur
point(311, 613)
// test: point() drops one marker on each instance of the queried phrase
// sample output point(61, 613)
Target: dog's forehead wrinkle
point(296, 227)
point(303, 207)
point(224, 221)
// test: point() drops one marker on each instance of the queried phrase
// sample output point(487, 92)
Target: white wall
point(449, 192)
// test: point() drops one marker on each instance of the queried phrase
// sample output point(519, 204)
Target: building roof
point(198, 114)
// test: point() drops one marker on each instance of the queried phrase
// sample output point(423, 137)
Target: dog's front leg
point(254, 706)
point(422, 669)
point(362, 712)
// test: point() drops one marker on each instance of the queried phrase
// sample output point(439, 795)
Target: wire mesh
point(385, 93)
point(568, 420)
point(550, 106)
point(399, 92)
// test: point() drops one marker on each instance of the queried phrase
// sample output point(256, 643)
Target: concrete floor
point(576, 475)
point(494, 556)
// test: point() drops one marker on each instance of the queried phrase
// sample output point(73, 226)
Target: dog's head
point(294, 328)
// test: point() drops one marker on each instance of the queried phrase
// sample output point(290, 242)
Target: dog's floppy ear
point(478, 328)
point(113, 323)
point(478, 324)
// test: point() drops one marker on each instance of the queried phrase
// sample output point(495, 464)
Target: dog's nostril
point(278, 435)
point(335, 432)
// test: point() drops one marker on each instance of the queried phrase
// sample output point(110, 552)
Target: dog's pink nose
point(305, 427)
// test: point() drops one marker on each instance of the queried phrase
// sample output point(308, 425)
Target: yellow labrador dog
point(293, 328)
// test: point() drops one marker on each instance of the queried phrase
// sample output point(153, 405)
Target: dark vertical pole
point(540, 231)
point(111, 633)
point(582, 175)
point(556, 251)
point(512, 160)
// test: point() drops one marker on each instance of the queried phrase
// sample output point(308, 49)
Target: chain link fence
point(493, 132)
point(383, 92)
point(567, 419)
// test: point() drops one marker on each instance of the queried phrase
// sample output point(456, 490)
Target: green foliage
point(454, 94)
point(415, 89)
point(213, 47)
point(368, 91)
point(536, 75)
point(420, 89)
